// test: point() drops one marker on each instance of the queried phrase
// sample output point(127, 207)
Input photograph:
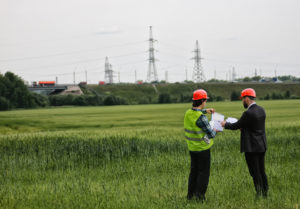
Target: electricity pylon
point(152, 73)
point(198, 74)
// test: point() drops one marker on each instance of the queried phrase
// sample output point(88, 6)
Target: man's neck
point(251, 103)
point(199, 107)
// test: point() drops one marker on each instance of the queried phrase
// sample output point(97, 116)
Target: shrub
point(287, 94)
point(39, 100)
point(277, 96)
point(186, 97)
point(235, 96)
point(164, 98)
point(219, 98)
point(4, 104)
point(114, 100)
point(60, 100)
point(295, 97)
point(144, 100)
point(94, 100)
point(267, 97)
point(80, 100)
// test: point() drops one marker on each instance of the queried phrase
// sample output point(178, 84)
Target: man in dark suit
point(253, 139)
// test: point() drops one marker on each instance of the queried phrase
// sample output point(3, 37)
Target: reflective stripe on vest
point(194, 139)
point(193, 132)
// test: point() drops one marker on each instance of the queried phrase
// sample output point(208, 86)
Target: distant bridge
point(48, 90)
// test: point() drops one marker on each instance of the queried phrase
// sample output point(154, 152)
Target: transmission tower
point(198, 75)
point(166, 76)
point(186, 74)
point(74, 81)
point(152, 73)
point(233, 77)
point(108, 77)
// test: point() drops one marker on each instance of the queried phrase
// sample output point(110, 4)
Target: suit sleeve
point(241, 123)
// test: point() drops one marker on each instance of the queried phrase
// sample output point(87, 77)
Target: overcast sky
point(41, 39)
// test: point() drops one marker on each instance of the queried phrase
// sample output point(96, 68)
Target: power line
point(47, 41)
point(68, 53)
point(172, 45)
point(81, 61)
point(90, 70)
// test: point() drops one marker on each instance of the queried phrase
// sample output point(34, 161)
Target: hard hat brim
point(199, 99)
point(241, 97)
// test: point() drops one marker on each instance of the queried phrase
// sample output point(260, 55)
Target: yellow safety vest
point(193, 134)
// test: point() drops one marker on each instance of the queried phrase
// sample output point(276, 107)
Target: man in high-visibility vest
point(198, 134)
point(253, 139)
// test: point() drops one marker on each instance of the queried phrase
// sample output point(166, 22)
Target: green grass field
point(136, 157)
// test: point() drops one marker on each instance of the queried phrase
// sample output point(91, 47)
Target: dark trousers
point(199, 174)
point(256, 166)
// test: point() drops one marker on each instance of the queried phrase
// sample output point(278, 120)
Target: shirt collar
point(251, 104)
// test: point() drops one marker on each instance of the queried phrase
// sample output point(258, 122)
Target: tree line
point(15, 94)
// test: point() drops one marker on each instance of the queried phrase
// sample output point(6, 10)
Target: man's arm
point(209, 110)
point(241, 123)
point(204, 111)
point(203, 123)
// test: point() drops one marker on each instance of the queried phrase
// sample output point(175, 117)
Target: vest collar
point(195, 109)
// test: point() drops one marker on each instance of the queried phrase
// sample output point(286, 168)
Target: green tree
point(267, 97)
point(4, 104)
point(164, 98)
point(287, 94)
point(15, 94)
point(234, 96)
point(256, 78)
point(246, 79)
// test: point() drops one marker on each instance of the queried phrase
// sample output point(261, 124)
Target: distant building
point(139, 82)
point(270, 80)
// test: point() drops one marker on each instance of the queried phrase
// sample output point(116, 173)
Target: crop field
point(136, 157)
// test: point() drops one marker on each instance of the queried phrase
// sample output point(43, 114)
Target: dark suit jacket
point(252, 125)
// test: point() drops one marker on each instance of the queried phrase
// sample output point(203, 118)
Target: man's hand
point(210, 110)
point(223, 123)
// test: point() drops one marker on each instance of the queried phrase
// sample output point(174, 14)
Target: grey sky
point(42, 39)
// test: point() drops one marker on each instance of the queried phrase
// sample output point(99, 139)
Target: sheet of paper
point(218, 126)
point(217, 118)
point(231, 120)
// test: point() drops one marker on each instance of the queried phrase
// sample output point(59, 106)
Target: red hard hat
point(200, 94)
point(248, 92)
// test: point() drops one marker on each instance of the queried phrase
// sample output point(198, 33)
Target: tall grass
point(127, 163)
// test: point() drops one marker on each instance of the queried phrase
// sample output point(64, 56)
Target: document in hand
point(217, 118)
point(231, 120)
